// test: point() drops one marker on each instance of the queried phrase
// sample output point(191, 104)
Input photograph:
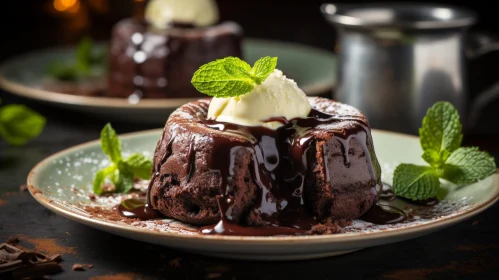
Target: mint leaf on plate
point(110, 143)
point(139, 165)
point(231, 76)
point(263, 67)
point(440, 138)
point(100, 177)
point(441, 130)
point(123, 180)
point(19, 124)
point(121, 172)
point(415, 182)
point(468, 165)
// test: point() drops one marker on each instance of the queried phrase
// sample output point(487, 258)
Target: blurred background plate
point(312, 68)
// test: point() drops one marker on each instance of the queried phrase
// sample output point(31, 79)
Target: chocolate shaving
point(12, 240)
point(81, 266)
point(19, 264)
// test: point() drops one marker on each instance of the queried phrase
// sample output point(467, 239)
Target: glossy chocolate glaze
point(381, 214)
point(148, 63)
point(137, 209)
point(280, 168)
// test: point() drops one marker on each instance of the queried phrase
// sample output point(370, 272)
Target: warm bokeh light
point(72, 6)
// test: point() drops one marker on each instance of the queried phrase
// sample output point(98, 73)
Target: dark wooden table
point(467, 250)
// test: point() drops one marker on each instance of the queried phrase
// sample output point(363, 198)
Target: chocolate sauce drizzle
point(138, 209)
point(280, 168)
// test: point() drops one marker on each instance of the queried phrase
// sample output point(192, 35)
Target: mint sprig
point(440, 138)
point(20, 124)
point(121, 172)
point(440, 133)
point(231, 76)
point(87, 57)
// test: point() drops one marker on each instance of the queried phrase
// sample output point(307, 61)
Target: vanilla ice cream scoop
point(277, 96)
point(160, 13)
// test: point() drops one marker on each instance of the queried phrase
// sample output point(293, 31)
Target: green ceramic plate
point(62, 183)
point(313, 69)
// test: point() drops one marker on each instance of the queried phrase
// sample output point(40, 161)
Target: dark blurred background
point(31, 24)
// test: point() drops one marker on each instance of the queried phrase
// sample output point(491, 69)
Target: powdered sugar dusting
point(417, 215)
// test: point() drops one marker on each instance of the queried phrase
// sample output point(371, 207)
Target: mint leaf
point(263, 67)
point(226, 77)
point(440, 138)
point(468, 165)
point(415, 182)
point(110, 143)
point(62, 71)
point(19, 124)
point(139, 165)
point(99, 179)
point(123, 179)
point(441, 129)
point(121, 172)
point(434, 158)
point(83, 55)
point(101, 176)
point(231, 76)
point(87, 56)
point(442, 193)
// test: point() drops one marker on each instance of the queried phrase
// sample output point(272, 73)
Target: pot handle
point(480, 46)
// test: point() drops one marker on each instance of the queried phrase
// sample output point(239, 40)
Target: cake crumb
point(329, 227)
point(91, 196)
point(78, 267)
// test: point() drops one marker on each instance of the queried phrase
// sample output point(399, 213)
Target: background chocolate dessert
point(159, 64)
point(147, 61)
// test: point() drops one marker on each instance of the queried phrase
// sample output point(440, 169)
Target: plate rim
point(60, 209)
point(156, 103)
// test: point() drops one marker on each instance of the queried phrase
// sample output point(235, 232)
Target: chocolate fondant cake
point(225, 176)
point(149, 62)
